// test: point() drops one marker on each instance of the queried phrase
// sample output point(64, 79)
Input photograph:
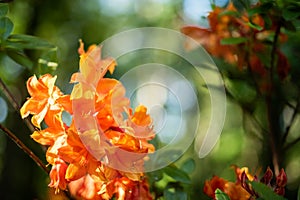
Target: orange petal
point(32, 106)
point(75, 171)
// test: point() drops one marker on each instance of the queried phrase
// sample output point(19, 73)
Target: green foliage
point(240, 90)
point(233, 40)
point(172, 182)
point(16, 45)
point(265, 192)
point(220, 195)
point(177, 174)
point(188, 166)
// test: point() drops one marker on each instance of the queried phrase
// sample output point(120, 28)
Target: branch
point(286, 147)
point(22, 146)
point(274, 49)
point(15, 105)
point(287, 130)
point(274, 144)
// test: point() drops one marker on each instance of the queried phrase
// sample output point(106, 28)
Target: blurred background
point(63, 23)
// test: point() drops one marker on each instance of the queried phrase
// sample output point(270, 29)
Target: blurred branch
point(286, 147)
point(287, 130)
point(274, 144)
point(22, 146)
point(15, 105)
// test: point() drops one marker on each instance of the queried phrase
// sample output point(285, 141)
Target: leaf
point(20, 41)
point(173, 192)
point(240, 90)
point(254, 26)
point(6, 27)
point(3, 9)
point(188, 166)
point(291, 12)
point(230, 13)
point(177, 174)
point(220, 195)
point(20, 58)
point(233, 40)
point(155, 175)
point(265, 192)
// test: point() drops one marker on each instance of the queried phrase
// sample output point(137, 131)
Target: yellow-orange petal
point(140, 116)
point(75, 171)
point(39, 117)
point(32, 106)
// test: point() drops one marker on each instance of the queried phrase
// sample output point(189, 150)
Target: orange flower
point(45, 96)
point(110, 103)
point(82, 154)
point(126, 189)
point(250, 32)
point(84, 188)
point(81, 162)
point(57, 175)
point(55, 129)
point(213, 184)
point(234, 190)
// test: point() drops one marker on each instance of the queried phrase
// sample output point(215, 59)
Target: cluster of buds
point(242, 188)
point(277, 185)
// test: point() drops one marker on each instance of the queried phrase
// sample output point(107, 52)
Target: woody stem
point(22, 146)
point(15, 105)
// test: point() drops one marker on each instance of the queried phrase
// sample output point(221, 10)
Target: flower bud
point(281, 179)
point(266, 179)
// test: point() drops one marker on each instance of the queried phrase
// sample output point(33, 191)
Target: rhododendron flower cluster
point(240, 38)
point(103, 129)
point(242, 189)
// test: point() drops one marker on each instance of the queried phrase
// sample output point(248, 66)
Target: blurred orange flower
point(241, 189)
point(239, 38)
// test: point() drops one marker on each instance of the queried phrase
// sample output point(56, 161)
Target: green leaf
point(254, 26)
point(188, 166)
point(20, 41)
point(291, 12)
point(265, 192)
point(6, 27)
point(155, 176)
point(177, 174)
point(230, 13)
point(233, 40)
point(220, 195)
point(240, 90)
point(3, 9)
point(20, 58)
point(173, 192)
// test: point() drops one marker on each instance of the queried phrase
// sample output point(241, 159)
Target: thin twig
point(289, 145)
point(22, 146)
point(287, 130)
point(15, 105)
